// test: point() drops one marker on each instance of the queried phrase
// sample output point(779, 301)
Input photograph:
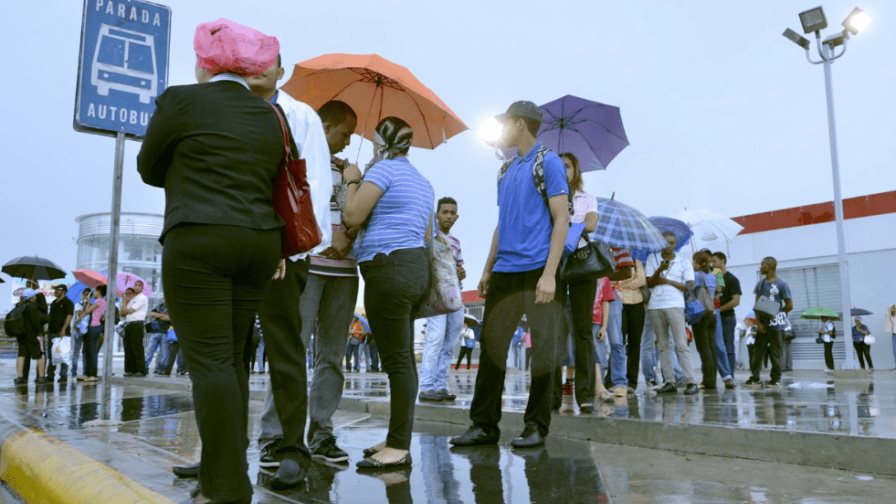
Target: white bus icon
point(125, 60)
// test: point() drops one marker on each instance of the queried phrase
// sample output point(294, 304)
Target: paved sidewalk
point(152, 427)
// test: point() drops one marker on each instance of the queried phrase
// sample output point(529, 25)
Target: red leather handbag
point(292, 199)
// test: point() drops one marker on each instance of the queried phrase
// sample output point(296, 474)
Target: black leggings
point(394, 286)
point(632, 327)
point(464, 351)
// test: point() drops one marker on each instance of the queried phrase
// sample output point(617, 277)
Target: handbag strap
point(284, 132)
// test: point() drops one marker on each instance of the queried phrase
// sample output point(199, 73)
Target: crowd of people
point(216, 147)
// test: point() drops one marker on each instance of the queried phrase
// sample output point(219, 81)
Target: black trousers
point(285, 348)
point(704, 338)
point(829, 355)
point(580, 303)
point(134, 356)
point(215, 277)
point(464, 352)
point(510, 296)
point(394, 287)
point(633, 316)
point(768, 343)
point(864, 353)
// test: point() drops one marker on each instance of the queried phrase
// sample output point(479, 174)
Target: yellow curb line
point(42, 469)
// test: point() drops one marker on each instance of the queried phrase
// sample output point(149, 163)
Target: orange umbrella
point(375, 88)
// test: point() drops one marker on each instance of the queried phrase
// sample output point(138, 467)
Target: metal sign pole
point(115, 225)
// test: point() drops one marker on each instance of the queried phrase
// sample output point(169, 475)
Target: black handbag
point(590, 262)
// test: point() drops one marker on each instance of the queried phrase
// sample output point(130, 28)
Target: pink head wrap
point(225, 46)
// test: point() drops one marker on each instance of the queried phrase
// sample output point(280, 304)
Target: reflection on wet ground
point(154, 428)
point(807, 401)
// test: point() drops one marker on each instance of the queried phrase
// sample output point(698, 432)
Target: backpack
point(14, 325)
point(538, 177)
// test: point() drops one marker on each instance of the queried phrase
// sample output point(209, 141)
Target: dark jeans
point(173, 351)
point(729, 323)
point(215, 277)
point(829, 355)
point(769, 343)
point(374, 354)
point(581, 307)
point(632, 328)
point(352, 354)
point(864, 353)
point(394, 286)
point(510, 296)
point(704, 338)
point(91, 348)
point(134, 357)
point(282, 327)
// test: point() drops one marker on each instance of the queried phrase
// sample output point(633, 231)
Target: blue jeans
point(723, 364)
point(600, 349)
point(618, 364)
point(442, 332)
point(77, 342)
point(728, 325)
point(352, 352)
point(91, 349)
point(157, 341)
point(893, 335)
point(259, 356)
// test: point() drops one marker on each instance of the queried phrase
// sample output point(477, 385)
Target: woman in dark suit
point(216, 148)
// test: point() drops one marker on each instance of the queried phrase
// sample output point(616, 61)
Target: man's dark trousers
point(134, 357)
point(282, 327)
point(509, 297)
point(768, 341)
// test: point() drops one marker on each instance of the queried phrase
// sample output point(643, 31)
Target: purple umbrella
point(590, 130)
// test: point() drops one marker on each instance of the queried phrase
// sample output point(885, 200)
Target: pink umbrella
point(127, 279)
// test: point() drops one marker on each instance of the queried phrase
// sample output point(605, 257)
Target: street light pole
point(843, 265)
point(813, 21)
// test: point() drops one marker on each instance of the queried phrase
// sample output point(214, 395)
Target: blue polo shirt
point(524, 221)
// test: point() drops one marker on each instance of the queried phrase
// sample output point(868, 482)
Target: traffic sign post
point(123, 67)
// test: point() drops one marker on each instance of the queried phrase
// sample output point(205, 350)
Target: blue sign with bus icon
point(123, 66)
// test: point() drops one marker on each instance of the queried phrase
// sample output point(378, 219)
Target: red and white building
point(804, 241)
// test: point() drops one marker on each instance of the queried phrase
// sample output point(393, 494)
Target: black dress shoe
point(668, 388)
point(288, 475)
point(691, 389)
point(372, 463)
point(195, 491)
point(188, 471)
point(473, 437)
point(530, 438)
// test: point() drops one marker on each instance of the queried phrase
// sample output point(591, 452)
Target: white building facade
point(804, 242)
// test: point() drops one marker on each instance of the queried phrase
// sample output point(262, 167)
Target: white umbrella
point(711, 230)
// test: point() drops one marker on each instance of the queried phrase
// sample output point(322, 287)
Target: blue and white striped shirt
point(399, 219)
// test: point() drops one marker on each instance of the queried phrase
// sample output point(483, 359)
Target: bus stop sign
point(123, 65)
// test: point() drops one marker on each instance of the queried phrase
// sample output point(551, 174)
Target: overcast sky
point(722, 112)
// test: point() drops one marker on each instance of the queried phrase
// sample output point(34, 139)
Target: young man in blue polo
point(520, 279)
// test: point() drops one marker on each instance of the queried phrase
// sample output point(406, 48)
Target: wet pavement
point(152, 428)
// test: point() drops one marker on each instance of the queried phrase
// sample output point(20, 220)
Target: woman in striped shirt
point(396, 202)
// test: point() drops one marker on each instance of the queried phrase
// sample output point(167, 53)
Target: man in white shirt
point(669, 276)
point(286, 405)
point(134, 313)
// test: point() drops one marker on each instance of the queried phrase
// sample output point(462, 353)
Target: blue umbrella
point(680, 229)
point(592, 131)
point(620, 225)
point(364, 323)
point(74, 292)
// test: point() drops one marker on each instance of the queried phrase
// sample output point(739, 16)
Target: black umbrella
point(859, 312)
point(34, 267)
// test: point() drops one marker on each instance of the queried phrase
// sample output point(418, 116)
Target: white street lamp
point(814, 20)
